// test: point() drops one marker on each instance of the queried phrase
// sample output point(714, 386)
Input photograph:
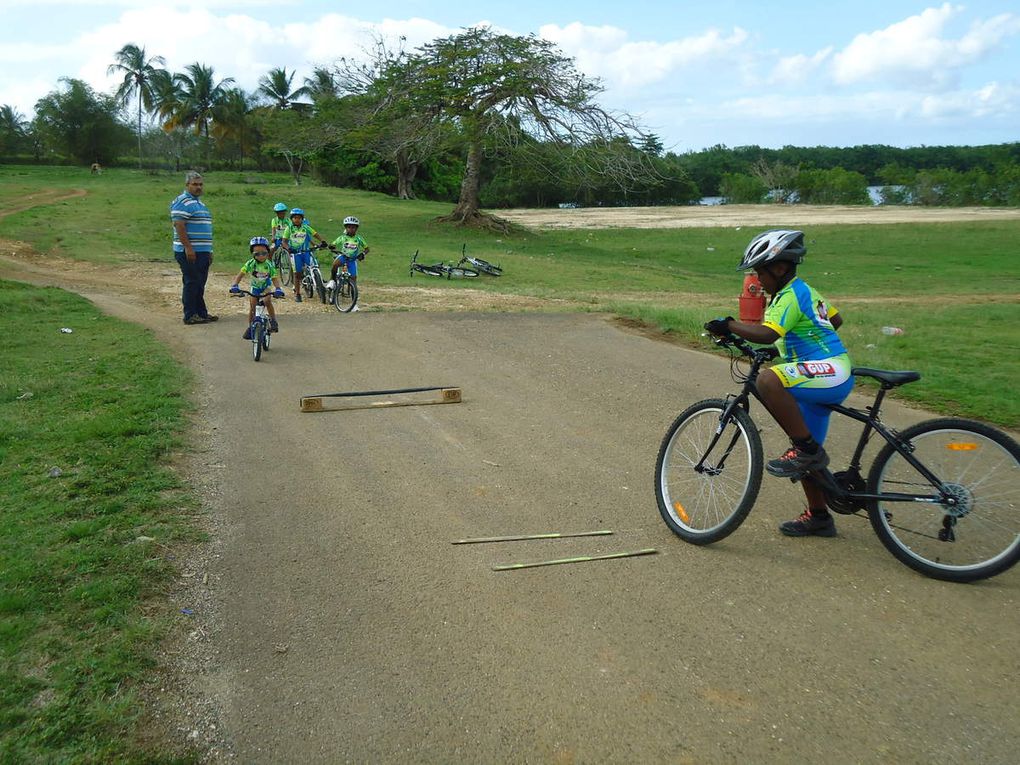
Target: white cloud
point(797, 69)
point(606, 52)
point(916, 52)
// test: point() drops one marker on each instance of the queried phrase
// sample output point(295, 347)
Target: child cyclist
point(278, 224)
point(813, 367)
point(297, 239)
point(263, 273)
point(351, 248)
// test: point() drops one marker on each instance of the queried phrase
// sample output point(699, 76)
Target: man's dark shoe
point(796, 462)
point(297, 297)
point(196, 319)
point(211, 317)
point(808, 525)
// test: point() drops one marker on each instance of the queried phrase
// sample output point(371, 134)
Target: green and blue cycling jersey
point(261, 274)
point(813, 363)
point(350, 247)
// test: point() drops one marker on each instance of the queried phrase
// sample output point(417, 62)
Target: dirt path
point(334, 621)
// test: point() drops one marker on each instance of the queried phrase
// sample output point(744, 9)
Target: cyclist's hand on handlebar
point(278, 293)
point(235, 289)
point(720, 326)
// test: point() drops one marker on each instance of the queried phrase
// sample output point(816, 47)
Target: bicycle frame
point(869, 417)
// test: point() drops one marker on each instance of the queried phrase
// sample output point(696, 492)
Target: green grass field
point(84, 549)
point(89, 508)
point(951, 286)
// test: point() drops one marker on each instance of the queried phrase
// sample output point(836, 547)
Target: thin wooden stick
point(554, 535)
point(582, 559)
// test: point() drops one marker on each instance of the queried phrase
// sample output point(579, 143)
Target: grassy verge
point(88, 503)
point(951, 286)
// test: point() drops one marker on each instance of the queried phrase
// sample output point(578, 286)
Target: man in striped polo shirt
point(192, 226)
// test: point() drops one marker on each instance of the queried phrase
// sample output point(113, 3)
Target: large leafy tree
point(137, 84)
point(199, 94)
point(81, 123)
point(277, 87)
point(494, 88)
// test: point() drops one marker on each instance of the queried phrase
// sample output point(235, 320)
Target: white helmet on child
point(350, 220)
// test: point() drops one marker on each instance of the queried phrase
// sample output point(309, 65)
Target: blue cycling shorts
point(814, 384)
point(350, 263)
point(302, 260)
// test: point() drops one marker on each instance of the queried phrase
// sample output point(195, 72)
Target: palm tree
point(276, 87)
point(138, 75)
point(231, 119)
point(321, 85)
point(167, 97)
point(200, 94)
point(13, 130)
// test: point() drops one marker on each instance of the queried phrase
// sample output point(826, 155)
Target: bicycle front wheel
point(320, 288)
point(978, 534)
point(706, 485)
point(307, 285)
point(345, 296)
point(257, 331)
point(460, 272)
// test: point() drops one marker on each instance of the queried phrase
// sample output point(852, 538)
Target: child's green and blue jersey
point(277, 227)
point(261, 274)
point(299, 237)
point(801, 317)
point(350, 246)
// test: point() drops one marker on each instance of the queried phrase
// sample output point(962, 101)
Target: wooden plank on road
point(377, 399)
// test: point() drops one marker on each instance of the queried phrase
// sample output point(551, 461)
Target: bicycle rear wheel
point(706, 504)
point(345, 296)
point(486, 267)
point(460, 272)
point(979, 466)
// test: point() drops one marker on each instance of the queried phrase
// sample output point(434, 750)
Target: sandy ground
point(332, 620)
point(705, 216)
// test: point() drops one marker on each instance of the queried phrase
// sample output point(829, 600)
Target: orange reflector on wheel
point(681, 512)
point(961, 447)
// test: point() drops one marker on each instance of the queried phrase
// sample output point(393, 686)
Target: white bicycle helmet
point(350, 220)
point(773, 246)
point(255, 241)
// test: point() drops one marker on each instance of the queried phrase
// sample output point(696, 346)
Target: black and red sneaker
point(797, 462)
point(808, 525)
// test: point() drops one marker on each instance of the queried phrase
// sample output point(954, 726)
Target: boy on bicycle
point(352, 248)
point(278, 224)
point(813, 367)
point(297, 239)
point(263, 273)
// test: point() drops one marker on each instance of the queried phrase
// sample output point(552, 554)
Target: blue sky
point(728, 72)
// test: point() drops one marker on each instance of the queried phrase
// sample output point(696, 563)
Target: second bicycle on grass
point(943, 495)
point(483, 266)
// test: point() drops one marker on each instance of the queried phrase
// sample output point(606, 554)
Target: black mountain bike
point(281, 259)
point(344, 294)
point(943, 495)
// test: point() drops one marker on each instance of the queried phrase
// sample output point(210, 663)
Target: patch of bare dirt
point(710, 216)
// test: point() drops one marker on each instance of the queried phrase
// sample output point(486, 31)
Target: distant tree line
point(478, 118)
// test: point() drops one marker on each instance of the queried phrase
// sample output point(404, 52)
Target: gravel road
point(335, 622)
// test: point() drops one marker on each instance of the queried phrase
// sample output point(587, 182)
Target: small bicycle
point(282, 261)
point(440, 269)
point(943, 495)
point(483, 266)
point(311, 277)
point(344, 294)
point(260, 334)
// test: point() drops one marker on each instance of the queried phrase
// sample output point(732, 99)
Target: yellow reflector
point(681, 512)
point(961, 447)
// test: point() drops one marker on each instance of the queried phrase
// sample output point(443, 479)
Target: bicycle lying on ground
point(943, 495)
point(260, 333)
point(284, 266)
point(440, 269)
point(482, 266)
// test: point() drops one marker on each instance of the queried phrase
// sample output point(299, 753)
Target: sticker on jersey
point(791, 371)
point(816, 369)
point(822, 310)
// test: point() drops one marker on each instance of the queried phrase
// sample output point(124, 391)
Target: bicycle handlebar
point(766, 353)
point(240, 292)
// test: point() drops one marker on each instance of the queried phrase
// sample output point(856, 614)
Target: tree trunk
point(139, 132)
point(407, 169)
point(466, 213)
